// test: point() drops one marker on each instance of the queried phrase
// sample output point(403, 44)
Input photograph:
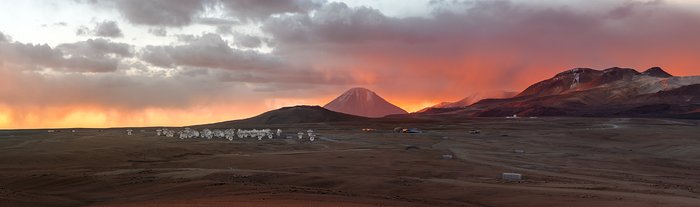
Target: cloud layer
point(231, 56)
point(93, 55)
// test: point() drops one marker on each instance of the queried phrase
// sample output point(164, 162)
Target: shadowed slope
point(292, 115)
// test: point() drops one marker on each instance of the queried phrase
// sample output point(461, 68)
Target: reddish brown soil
point(566, 162)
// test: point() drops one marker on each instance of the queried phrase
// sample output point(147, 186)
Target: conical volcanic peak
point(363, 102)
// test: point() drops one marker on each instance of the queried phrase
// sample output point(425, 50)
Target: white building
point(511, 176)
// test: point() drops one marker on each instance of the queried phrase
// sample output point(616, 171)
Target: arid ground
point(565, 162)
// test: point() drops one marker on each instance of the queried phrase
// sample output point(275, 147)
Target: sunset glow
point(111, 64)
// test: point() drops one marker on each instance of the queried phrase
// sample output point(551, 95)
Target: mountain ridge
point(469, 100)
point(589, 92)
point(291, 115)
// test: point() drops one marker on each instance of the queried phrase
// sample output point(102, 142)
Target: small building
point(512, 176)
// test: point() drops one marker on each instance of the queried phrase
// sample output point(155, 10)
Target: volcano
point(363, 102)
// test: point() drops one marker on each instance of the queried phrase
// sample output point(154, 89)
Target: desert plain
point(564, 162)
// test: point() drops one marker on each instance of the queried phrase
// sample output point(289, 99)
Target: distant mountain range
point(363, 102)
point(589, 92)
point(469, 100)
point(613, 92)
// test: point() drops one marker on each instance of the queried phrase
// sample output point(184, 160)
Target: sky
point(117, 63)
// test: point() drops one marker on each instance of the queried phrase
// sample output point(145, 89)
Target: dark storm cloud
point(42, 56)
point(108, 29)
point(86, 56)
point(212, 57)
point(179, 13)
point(217, 21)
point(474, 45)
point(109, 90)
point(477, 21)
point(209, 51)
point(19, 64)
point(156, 12)
point(161, 12)
point(97, 48)
point(101, 29)
point(245, 40)
point(261, 9)
point(339, 23)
